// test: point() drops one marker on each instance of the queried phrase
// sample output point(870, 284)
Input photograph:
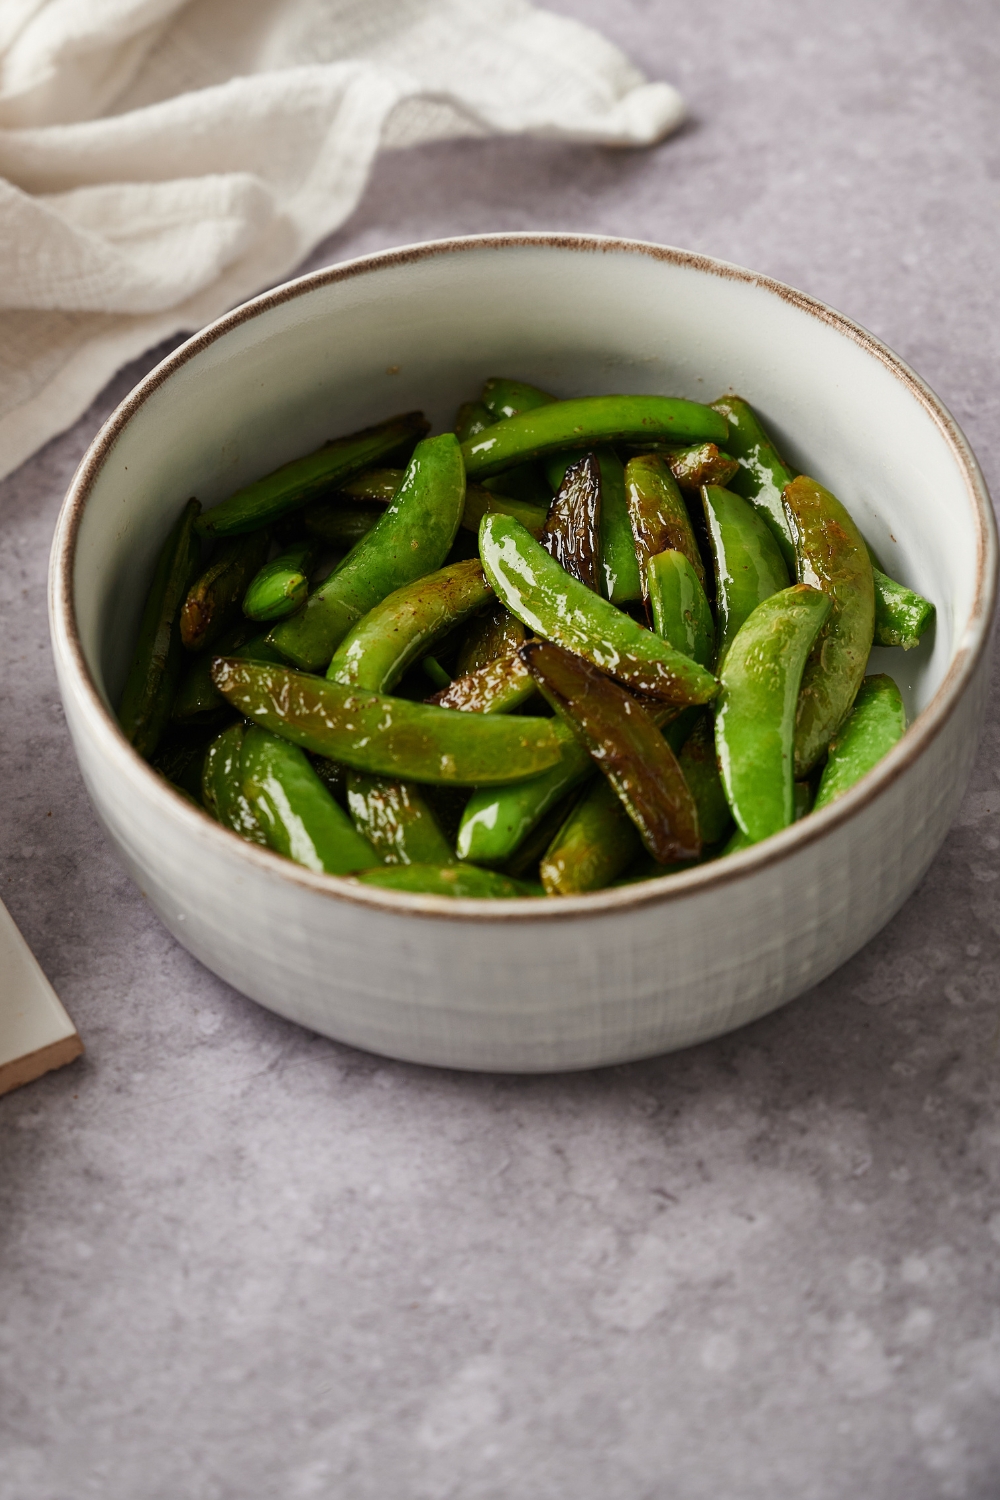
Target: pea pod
point(409, 540)
point(378, 486)
point(446, 880)
point(281, 586)
point(341, 524)
point(584, 422)
point(875, 723)
point(682, 614)
point(748, 562)
point(395, 819)
point(296, 813)
point(213, 601)
point(196, 697)
point(620, 580)
point(762, 474)
point(471, 418)
point(627, 746)
point(384, 642)
point(222, 785)
point(496, 688)
point(594, 845)
point(490, 635)
point(388, 736)
point(546, 600)
point(506, 398)
point(702, 464)
point(496, 821)
point(658, 516)
point(755, 714)
point(295, 483)
point(901, 616)
point(701, 772)
point(832, 556)
point(572, 532)
point(157, 662)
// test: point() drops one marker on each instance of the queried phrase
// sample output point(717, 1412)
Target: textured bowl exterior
point(526, 986)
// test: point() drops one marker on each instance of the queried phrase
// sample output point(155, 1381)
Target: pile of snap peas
point(571, 644)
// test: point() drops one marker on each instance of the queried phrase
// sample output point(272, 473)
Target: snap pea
point(497, 687)
point(295, 483)
point(446, 880)
point(492, 634)
point(157, 661)
point(701, 464)
point(378, 649)
point(410, 539)
point(506, 398)
point(395, 819)
point(627, 746)
point(552, 604)
point(572, 531)
point(595, 843)
point(875, 723)
point(901, 616)
point(471, 418)
point(658, 516)
point(214, 599)
point(336, 522)
point(620, 581)
point(524, 862)
point(296, 813)
point(755, 714)
point(682, 614)
point(341, 524)
point(480, 502)
point(388, 736)
point(222, 784)
point(496, 821)
point(587, 421)
point(197, 699)
point(376, 485)
point(281, 586)
point(832, 556)
point(762, 474)
point(700, 770)
point(748, 563)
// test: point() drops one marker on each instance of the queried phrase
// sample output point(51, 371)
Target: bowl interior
point(424, 328)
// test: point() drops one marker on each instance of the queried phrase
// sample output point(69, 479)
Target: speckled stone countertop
point(238, 1261)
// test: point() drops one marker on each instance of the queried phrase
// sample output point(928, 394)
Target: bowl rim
point(972, 642)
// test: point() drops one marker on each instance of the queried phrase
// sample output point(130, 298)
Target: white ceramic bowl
point(546, 984)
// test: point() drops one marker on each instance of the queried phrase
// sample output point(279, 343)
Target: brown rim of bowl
point(922, 731)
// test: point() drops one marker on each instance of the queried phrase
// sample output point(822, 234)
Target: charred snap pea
point(700, 770)
point(565, 611)
point(396, 820)
point(303, 479)
point(585, 422)
point(658, 515)
point(378, 650)
point(213, 601)
point(281, 586)
point(158, 658)
point(296, 813)
point(411, 539)
point(702, 464)
point(446, 880)
point(682, 614)
point(572, 532)
point(222, 785)
point(762, 475)
point(493, 633)
point(620, 581)
point(594, 845)
point(832, 556)
point(388, 736)
point(748, 563)
point(755, 715)
point(495, 688)
point(875, 723)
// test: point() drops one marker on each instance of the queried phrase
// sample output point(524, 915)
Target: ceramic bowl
point(543, 984)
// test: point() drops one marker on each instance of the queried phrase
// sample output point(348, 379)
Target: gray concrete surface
point(239, 1261)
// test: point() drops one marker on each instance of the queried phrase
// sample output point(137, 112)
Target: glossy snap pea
point(495, 688)
point(385, 641)
point(296, 813)
point(584, 422)
point(832, 556)
point(410, 539)
point(480, 502)
point(658, 516)
point(627, 746)
point(341, 524)
point(388, 736)
point(157, 662)
point(701, 772)
point(378, 486)
point(213, 601)
point(222, 785)
point(496, 821)
point(295, 483)
point(702, 464)
point(471, 418)
point(506, 398)
point(901, 616)
point(595, 844)
point(490, 635)
point(748, 563)
point(396, 820)
point(755, 714)
point(281, 586)
point(552, 604)
point(762, 474)
point(456, 880)
point(197, 699)
point(572, 531)
point(620, 581)
point(875, 723)
point(682, 614)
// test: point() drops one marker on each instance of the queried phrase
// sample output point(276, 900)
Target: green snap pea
point(755, 714)
point(480, 502)
point(396, 820)
point(748, 563)
point(376, 485)
point(700, 770)
point(620, 580)
point(595, 844)
point(507, 398)
point(875, 723)
point(341, 524)
point(525, 861)
point(281, 586)
point(497, 687)
point(682, 614)
point(296, 813)
point(701, 464)
point(295, 483)
point(388, 736)
point(832, 556)
point(658, 516)
point(446, 880)
point(377, 651)
point(901, 616)
point(197, 700)
point(222, 785)
point(584, 422)
point(214, 600)
point(472, 418)
point(572, 531)
point(158, 659)
point(627, 746)
point(762, 474)
point(410, 539)
point(552, 604)
point(493, 633)
point(496, 821)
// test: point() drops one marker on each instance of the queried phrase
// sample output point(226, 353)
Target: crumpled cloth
point(161, 161)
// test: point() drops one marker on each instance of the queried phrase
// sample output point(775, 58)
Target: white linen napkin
point(162, 161)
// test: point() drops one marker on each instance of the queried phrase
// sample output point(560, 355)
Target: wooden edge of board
point(33, 1065)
